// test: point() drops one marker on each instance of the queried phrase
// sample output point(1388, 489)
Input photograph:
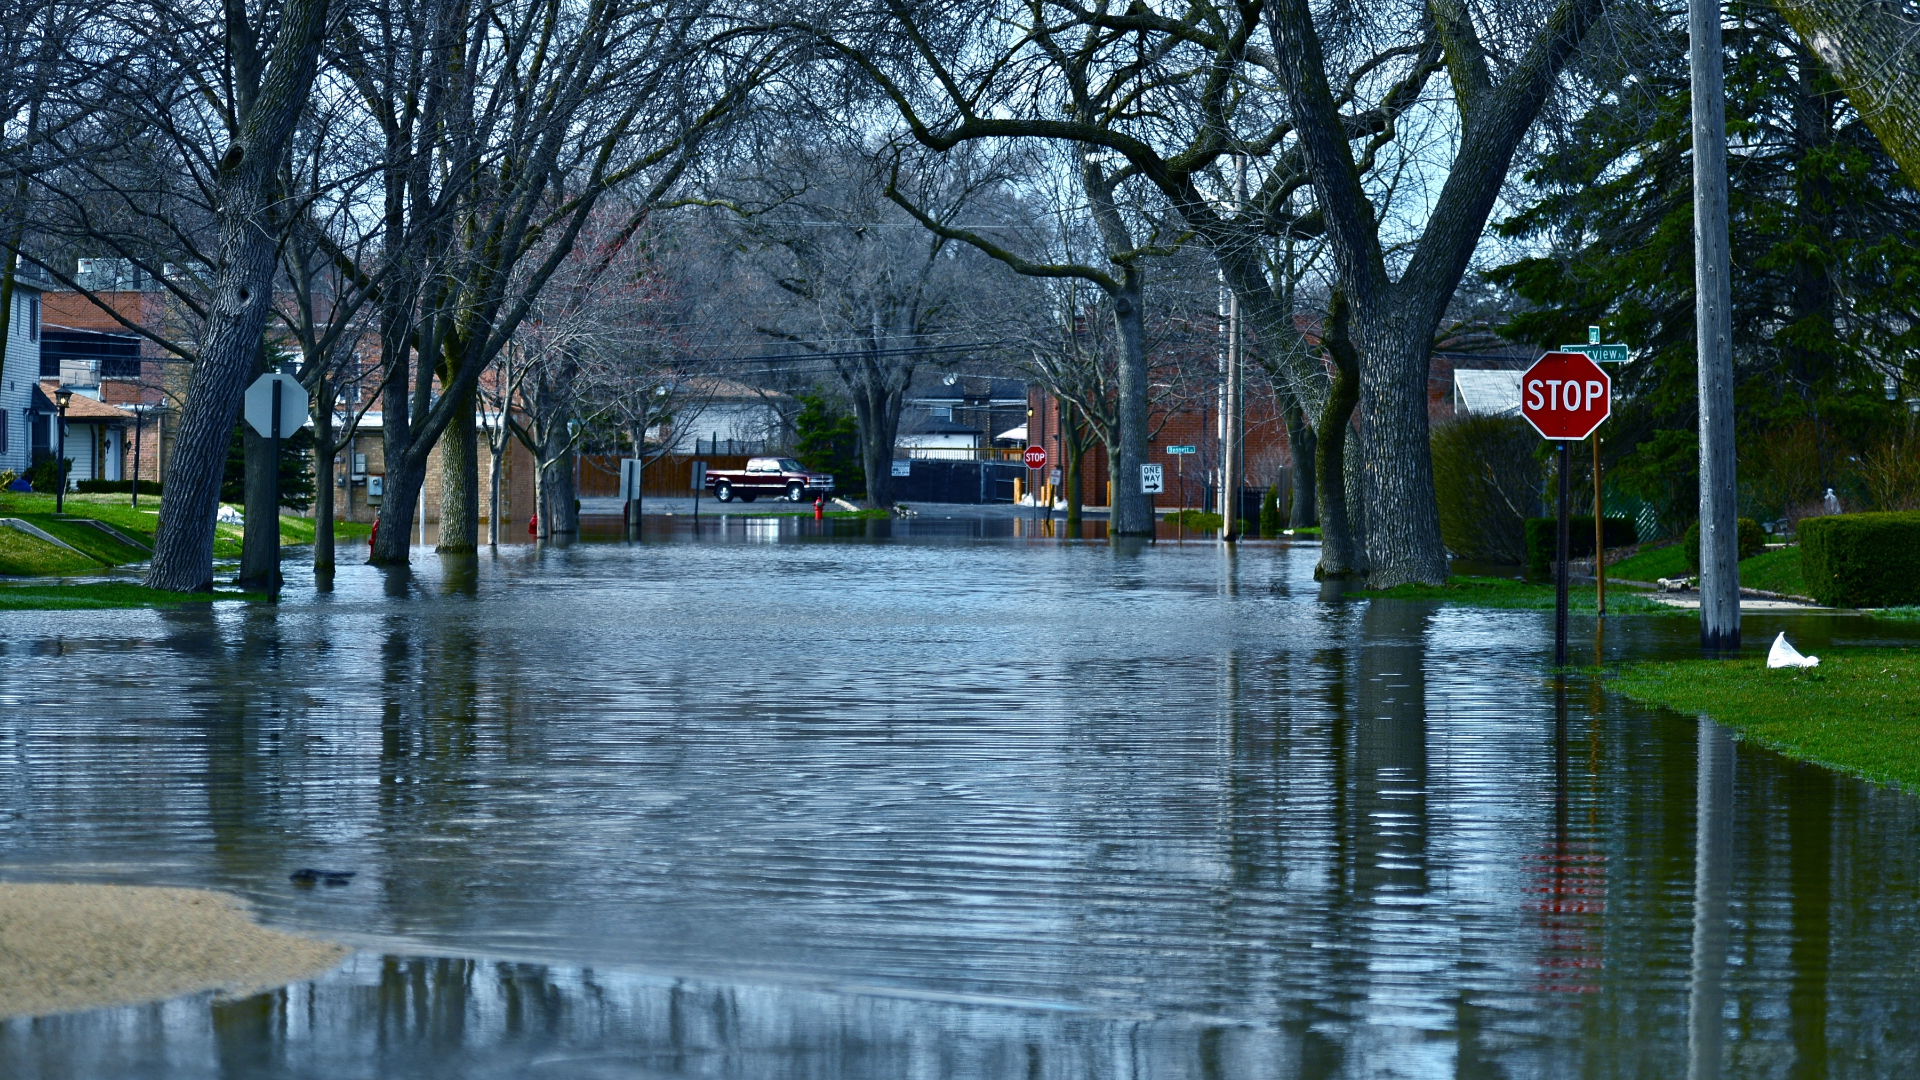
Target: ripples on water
point(937, 806)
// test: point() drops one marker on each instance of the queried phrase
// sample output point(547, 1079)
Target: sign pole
point(1560, 564)
point(1599, 535)
point(273, 506)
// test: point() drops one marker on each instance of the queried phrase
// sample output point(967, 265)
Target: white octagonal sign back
point(293, 405)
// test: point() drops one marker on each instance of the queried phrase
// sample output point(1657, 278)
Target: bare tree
point(180, 122)
point(861, 287)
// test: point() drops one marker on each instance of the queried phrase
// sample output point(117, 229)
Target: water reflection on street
point(943, 799)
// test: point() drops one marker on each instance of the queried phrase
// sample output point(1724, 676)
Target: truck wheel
point(796, 492)
point(723, 491)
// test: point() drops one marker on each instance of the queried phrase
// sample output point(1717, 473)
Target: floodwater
point(924, 800)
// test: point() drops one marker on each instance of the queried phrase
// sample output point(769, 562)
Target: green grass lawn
point(140, 523)
point(1858, 712)
point(1486, 592)
point(110, 594)
point(22, 555)
point(1903, 614)
point(1651, 564)
point(1774, 571)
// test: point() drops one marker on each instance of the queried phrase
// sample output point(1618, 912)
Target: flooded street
point(905, 800)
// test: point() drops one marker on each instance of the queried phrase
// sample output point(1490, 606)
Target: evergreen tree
point(827, 440)
point(1824, 229)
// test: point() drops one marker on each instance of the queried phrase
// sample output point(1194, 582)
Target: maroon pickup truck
point(769, 476)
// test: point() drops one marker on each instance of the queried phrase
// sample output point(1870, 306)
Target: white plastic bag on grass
point(1785, 655)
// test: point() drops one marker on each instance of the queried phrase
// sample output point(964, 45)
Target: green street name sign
point(1183, 449)
point(1601, 354)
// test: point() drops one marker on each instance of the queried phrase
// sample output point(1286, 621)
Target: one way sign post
point(1565, 396)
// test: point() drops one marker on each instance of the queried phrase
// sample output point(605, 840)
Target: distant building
point(96, 436)
point(938, 415)
point(20, 375)
point(723, 416)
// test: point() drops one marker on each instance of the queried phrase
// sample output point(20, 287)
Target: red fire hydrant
point(374, 535)
point(819, 507)
point(533, 525)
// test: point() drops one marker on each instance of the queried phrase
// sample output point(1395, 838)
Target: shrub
point(1751, 540)
point(1271, 520)
point(1541, 540)
point(1862, 560)
point(41, 475)
point(124, 487)
point(1486, 479)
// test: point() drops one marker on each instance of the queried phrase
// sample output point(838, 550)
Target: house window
point(33, 317)
point(943, 412)
point(3, 431)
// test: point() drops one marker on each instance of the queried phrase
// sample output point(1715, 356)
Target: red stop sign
point(1035, 457)
point(1564, 395)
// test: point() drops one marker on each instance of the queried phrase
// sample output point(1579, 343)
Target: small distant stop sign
point(1035, 457)
point(1565, 396)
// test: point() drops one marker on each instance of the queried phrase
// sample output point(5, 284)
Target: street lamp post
point(60, 399)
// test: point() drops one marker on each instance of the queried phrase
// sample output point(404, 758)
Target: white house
point(19, 374)
point(722, 416)
point(96, 436)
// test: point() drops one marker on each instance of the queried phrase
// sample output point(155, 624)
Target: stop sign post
point(1565, 396)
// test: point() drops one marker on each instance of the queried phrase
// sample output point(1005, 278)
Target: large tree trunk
point(1075, 445)
point(1870, 47)
point(323, 479)
point(238, 307)
point(1403, 526)
point(1340, 555)
point(499, 447)
point(562, 516)
point(460, 485)
point(393, 527)
point(1132, 510)
point(1300, 447)
point(876, 409)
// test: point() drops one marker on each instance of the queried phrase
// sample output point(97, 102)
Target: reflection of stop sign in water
point(1036, 457)
point(1565, 396)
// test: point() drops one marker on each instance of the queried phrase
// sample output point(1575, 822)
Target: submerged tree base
point(1858, 712)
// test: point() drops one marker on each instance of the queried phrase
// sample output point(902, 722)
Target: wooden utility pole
point(1713, 316)
point(1599, 536)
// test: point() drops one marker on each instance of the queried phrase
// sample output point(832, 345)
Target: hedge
point(1862, 560)
point(1486, 483)
point(124, 487)
point(1541, 540)
point(1749, 538)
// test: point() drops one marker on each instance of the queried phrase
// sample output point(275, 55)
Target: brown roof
point(83, 408)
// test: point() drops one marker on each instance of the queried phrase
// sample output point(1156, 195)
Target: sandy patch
point(69, 947)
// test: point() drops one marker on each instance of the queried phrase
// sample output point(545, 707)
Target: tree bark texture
point(323, 476)
point(237, 310)
point(1341, 551)
point(460, 485)
point(562, 516)
point(1875, 54)
point(1300, 447)
point(1132, 510)
point(1394, 320)
point(877, 395)
point(1713, 325)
